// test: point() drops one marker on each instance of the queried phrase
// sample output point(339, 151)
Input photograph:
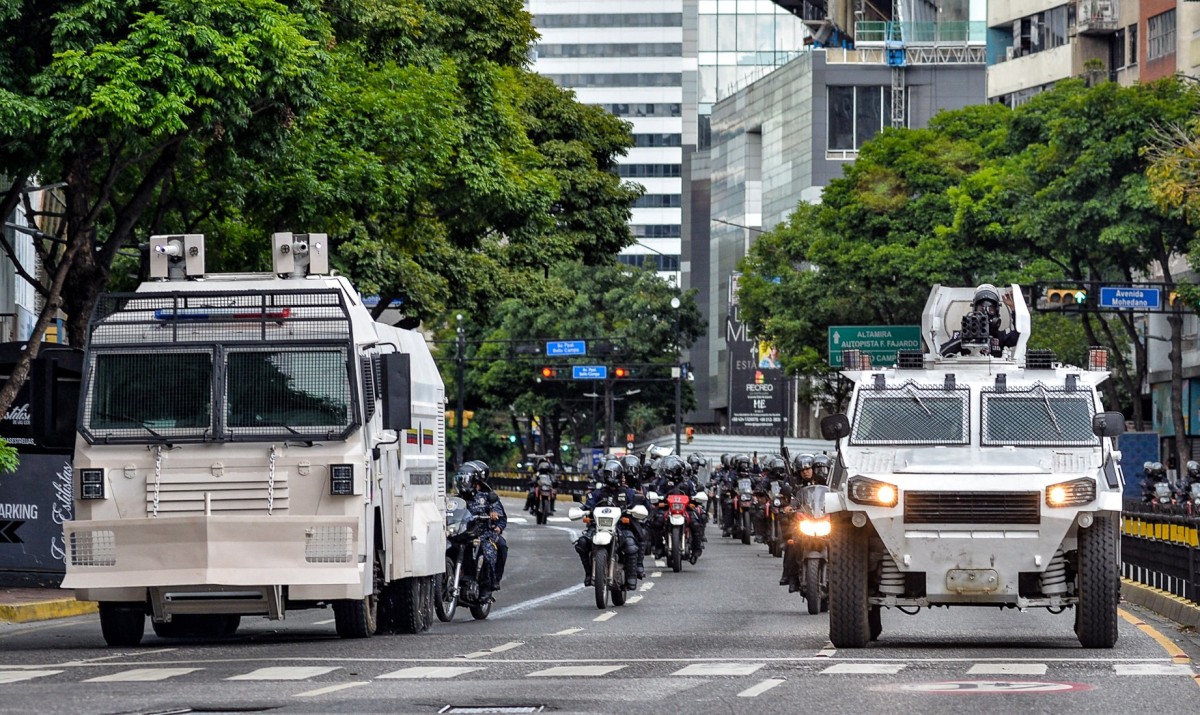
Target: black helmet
point(470, 478)
point(801, 462)
point(696, 461)
point(725, 460)
point(1156, 469)
point(610, 473)
point(820, 468)
point(987, 300)
point(1193, 469)
point(775, 466)
point(672, 468)
point(545, 467)
point(740, 462)
point(632, 467)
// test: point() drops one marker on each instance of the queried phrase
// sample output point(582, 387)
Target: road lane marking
point(142, 675)
point(633, 599)
point(575, 670)
point(492, 651)
point(647, 586)
point(605, 616)
point(567, 632)
point(428, 671)
point(827, 651)
point(659, 563)
point(19, 675)
point(719, 669)
point(656, 574)
point(533, 602)
point(284, 672)
point(864, 668)
point(1152, 669)
point(517, 520)
point(1007, 669)
point(331, 689)
point(323, 623)
point(756, 690)
point(558, 518)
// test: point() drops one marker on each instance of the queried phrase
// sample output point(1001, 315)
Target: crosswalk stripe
point(864, 668)
point(575, 670)
point(567, 631)
point(331, 689)
point(1007, 669)
point(428, 671)
point(1152, 669)
point(756, 690)
point(605, 616)
point(492, 651)
point(633, 599)
point(16, 676)
point(647, 586)
point(142, 675)
point(284, 672)
point(655, 574)
point(719, 669)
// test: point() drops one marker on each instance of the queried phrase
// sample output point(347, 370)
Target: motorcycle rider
point(774, 470)
point(471, 481)
point(1152, 474)
point(609, 488)
point(544, 468)
point(739, 467)
point(631, 467)
point(802, 470)
point(673, 478)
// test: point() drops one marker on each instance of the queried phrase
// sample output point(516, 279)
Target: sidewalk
point(21, 605)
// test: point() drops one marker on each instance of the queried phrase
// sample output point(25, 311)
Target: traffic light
point(1065, 297)
point(551, 372)
point(624, 372)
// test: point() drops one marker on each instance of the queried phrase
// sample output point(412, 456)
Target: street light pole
point(677, 373)
point(459, 358)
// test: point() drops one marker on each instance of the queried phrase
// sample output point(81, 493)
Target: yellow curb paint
point(46, 610)
point(1177, 654)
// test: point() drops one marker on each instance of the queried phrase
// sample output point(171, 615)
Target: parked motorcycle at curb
point(608, 558)
point(466, 534)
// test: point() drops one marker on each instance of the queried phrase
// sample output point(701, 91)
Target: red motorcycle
point(677, 522)
point(543, 497)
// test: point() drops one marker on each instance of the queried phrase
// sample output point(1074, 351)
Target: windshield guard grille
point(912, 414)
point(1040, 415)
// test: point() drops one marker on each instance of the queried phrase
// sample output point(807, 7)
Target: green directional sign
point(881, 342)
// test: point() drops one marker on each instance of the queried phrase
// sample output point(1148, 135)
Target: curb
point(46, 610)
point(1168, 605)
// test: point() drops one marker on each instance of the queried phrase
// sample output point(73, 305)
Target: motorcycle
point(678, 527)
point(465, 537)
point(608, 559)
point(1162, 496)
point(543, 498)
point(743, 502)
point(812, 540)
point(773, 506)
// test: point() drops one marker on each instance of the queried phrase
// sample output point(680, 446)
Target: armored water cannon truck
point(249, 444)
point(974, 473)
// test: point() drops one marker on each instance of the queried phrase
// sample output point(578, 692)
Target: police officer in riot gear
point(471, 481)
point(610, 489)
point(985, 305)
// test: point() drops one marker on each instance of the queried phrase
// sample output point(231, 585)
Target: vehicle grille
point(95, 547)
point(972, 507)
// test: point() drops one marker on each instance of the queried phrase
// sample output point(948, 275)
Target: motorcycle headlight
point(1073, 493)
point(815, 527)
point(775, 502)
point(864, 490)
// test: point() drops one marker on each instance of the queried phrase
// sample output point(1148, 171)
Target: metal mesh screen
point(225, 317)
point(1041, 416)
point(149, 394)
point(329, 545)
point(303, 391)
point(912, 414)
point(93, 548)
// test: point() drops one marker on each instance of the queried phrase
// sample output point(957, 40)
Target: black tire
point(544, 512)
point(600, 576)
point(356, 617)
point(812, 586)
point(444, 608)
point(875, 619)
point(618, 594)
point(746, 528)
point(848, 624)
point(411, 604)
point(1099, 583)
point(177, 627)
point(122, 624)
point(480, 611)
point(229, 625)
point(676, 554)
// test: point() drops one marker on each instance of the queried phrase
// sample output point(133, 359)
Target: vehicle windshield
point(911, 414)
point(1037, 416)
point(189, 395)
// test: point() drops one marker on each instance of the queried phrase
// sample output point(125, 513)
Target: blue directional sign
point(561, 348)
point(589, 372)
point(1130, 298)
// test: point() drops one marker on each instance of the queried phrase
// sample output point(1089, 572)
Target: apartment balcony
point(1035, 70)
point(1097, 17)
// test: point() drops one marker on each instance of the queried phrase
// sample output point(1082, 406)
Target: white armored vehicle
point(250, 444)
point(974, 473)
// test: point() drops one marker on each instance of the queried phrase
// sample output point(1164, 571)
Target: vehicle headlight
point(91, 484)
point(815, 527)
point(1073, 493)
point(863, 490)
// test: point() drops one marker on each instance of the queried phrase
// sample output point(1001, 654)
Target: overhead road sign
point(589, 372)
point(1126, 298)
point(881, 342)
point(563, 348)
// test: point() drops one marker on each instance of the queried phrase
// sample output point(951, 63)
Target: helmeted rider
point(631, 467)
point(673, 478)
point(774, 469)
point(986, 301)
point(544, 468)
point(821, 468)
point(471, 481)
point(807, 470)
point(740, 467)
point(802, 470)
point(610, 489)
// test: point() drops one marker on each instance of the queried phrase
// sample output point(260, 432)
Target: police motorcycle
point(1156, 488)
point(742, 485)
point(1188, 489)
point(769, 503)
point(680, 510)
point(608, 559)
point(811, 538)
point(465, 537)
point(543, 497)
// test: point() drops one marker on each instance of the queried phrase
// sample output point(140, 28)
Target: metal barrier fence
point(1161, 550)
point(573, 484)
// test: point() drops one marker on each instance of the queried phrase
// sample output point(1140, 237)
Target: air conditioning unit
point(1010, 53)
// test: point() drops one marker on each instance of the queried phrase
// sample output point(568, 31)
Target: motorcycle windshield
point(812, 500)
point(456, 511)
point(1162, 489)
point(744, 485)
point(1196, 490)
point(775, 488)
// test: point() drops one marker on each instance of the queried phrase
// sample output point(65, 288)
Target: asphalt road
point(719, 637)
